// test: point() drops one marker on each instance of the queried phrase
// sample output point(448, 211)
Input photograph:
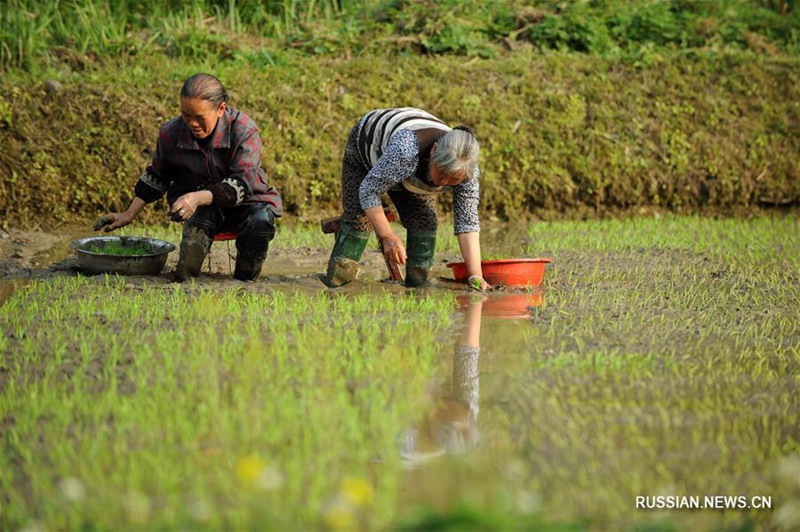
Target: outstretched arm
point(397, 163)
point(391, 244)
point(467, 228)
point(470, 245)
point(150, 187)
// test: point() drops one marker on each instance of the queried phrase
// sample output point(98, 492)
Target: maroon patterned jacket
point(229, 166)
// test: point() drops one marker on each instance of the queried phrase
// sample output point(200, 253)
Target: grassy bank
point(584, 108)
point(563, 135)
point(37, 33)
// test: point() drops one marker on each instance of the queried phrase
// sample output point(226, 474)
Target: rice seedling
point(664, 344)
point(662, 360)
point(139, 388)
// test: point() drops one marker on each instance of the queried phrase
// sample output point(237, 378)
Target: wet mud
point(26, 255)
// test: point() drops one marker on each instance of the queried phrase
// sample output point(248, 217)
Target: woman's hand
point(393, 249)
point(470, 245)
point(391, 245)
point(476, 282)
point(113, 220)
point(185, 206)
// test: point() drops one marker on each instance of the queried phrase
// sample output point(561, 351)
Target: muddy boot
point(251, 251)
point(343, 265)
point(420, 247)
point(194, 248)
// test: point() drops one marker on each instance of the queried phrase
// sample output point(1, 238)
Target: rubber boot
point(251, 251)
point(195, 245)
point(343, 265)
point(420, 248)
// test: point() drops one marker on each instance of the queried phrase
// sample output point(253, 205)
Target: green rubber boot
point(343, 265)
point(420, 248)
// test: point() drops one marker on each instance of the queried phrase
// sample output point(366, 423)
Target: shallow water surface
point(457, 447)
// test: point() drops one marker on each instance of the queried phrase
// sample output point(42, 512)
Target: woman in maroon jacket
point(208, 162)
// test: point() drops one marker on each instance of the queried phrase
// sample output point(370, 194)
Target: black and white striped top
point(379, 126)
point(388, 146)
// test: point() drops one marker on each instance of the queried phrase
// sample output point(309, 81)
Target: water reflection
point(512, 304)
point(452, 424)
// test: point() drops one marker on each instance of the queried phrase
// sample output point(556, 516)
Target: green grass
point(35, 33)
point(668, 347)
point(664, 360)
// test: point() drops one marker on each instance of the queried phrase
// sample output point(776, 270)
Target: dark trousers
point(249, 220)
point(253, 223)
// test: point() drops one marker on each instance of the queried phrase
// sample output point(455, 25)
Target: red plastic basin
point(508, 272)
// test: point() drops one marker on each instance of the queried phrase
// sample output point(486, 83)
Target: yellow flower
point(254, 471)
point(250, 468)
point(357, 491)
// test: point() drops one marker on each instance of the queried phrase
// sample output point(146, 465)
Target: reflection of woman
point(208, 162)
point(452, 425)
point(413, 156)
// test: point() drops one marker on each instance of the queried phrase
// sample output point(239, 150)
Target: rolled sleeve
point(396, 164)
point(466, 197)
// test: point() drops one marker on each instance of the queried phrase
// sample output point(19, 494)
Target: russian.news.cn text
point(704, 502)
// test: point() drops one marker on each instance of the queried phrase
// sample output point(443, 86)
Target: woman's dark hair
point(204, 87)
point(468, 130)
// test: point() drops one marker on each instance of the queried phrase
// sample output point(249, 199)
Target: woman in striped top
point(411, 155)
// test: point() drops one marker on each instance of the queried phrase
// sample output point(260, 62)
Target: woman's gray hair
point(457, 151)
point(204, 87)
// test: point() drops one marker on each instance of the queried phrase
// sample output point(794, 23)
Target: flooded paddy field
point(653, 375)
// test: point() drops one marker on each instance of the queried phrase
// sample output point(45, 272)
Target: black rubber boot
point(343, 265)
point(251, 251)
point(195, 245)
point(420, 248)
